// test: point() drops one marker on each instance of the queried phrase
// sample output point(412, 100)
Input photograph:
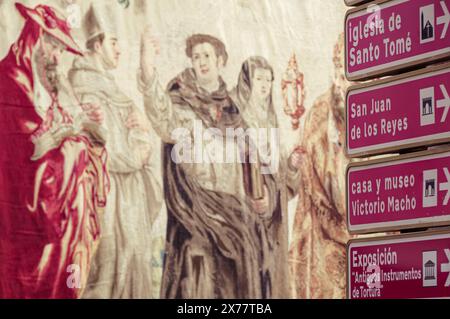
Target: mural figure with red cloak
point(53, 177)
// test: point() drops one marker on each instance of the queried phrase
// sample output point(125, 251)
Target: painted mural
point(172, 149)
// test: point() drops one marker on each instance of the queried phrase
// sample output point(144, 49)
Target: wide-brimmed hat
point(52, 22)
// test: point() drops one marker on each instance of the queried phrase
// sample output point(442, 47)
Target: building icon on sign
point(430, 188)
point(427, 24)
point(427, 107)
point(429, 268)
point(427, 29)
point(430, 182)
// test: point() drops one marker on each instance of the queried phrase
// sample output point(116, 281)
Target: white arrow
point(445, 19)
point(446, 186)
point(445, 102)
point(446, 267)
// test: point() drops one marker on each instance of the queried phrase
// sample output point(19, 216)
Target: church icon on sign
point(427, 28)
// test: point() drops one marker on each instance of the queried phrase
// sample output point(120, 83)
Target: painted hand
point(296, 158)
point(93, 112)
point(150, 49)
point(261, 206)
point(139, 121)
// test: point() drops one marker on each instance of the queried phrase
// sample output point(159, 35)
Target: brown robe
point(216, 247)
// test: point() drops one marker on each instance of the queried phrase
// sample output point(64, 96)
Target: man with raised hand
point(217, 238)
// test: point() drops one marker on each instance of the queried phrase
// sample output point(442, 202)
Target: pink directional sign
point(388, 36)
point(401, 112)
point(408, 266)
point(402, 192)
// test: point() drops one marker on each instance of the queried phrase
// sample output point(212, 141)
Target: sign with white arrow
point(401, 34)
point(444, 103)
point(395, 193)
point(403, 266)
point(445, 267)
point(444, 19)
point(398, 113)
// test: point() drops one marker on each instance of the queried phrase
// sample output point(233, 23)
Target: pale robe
point(122, 267)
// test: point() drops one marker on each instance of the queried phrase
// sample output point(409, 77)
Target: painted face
point(261, 84)
point(52, 49)
point(47, 60)
point(341, 83)
point(110, 52)
point(205, 62)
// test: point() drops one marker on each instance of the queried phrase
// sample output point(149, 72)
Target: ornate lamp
point(293, 90)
